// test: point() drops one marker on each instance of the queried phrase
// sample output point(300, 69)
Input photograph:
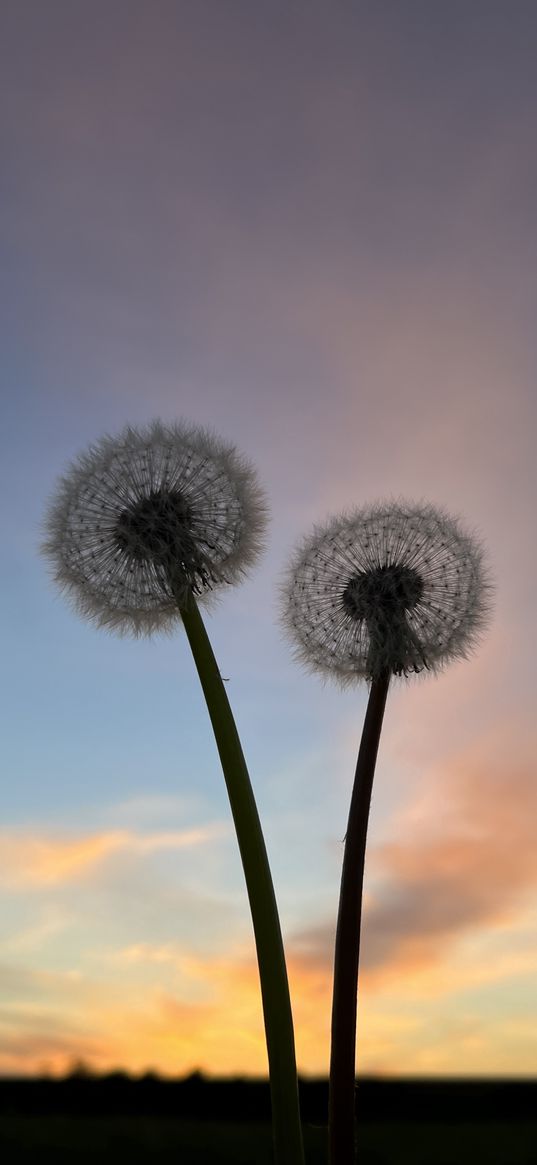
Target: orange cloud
point(36, 860)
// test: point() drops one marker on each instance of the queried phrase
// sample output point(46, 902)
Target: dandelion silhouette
point(142, 528)
point(387, 591)
point(145, 520)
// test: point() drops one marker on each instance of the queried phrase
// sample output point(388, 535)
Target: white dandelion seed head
point(144, 520)
point(395, 587)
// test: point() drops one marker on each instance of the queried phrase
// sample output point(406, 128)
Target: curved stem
point(341, 1119)
point(268, 938)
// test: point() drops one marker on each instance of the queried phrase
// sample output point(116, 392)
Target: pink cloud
point(462, 861)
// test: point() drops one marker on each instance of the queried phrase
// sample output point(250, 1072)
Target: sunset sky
point(311, 225)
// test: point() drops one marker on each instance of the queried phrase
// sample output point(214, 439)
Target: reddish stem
point(341, 1119)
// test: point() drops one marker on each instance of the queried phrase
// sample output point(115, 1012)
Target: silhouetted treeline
point(200, 1098)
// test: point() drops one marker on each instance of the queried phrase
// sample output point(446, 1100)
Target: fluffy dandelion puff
point(392, 588)
point(142, 521)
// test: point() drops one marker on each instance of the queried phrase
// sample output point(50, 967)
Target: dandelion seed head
point(394, 587)
point(144, 520)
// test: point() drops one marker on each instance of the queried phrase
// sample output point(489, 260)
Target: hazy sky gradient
point(313, 227)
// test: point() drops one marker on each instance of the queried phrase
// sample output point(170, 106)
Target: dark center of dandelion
point(158, 529)
point(381, 598)
point(384, 592)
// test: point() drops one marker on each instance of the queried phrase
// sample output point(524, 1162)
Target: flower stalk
point(389, 590)
point(277, 1013)
point(341, 1105)
point(141, 524)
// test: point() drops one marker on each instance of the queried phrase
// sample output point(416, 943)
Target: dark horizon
point(85, 1071)
point(232, 1099)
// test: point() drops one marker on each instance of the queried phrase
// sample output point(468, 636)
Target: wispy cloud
point(150, 810)
point(41, 860)
point(51, 922)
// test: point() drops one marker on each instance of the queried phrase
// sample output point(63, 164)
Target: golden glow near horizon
point(449, 952)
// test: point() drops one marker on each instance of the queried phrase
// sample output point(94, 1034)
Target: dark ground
point(199, 1121)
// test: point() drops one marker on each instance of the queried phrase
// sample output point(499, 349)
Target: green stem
point(268, 938)
point(341, 1118)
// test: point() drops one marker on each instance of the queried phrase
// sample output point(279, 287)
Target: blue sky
point(311, 227)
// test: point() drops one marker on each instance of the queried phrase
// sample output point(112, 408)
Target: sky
point(313, 228)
